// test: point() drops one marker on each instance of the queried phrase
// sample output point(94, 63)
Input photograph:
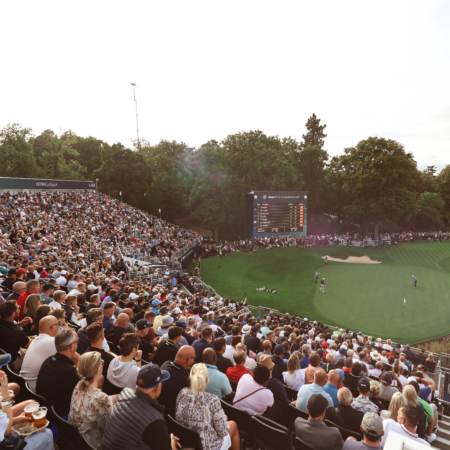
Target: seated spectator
point(387, 391)
point(202, 412)
point(115, 333)
point(96, 334)
point(314, 432)
point(250, 363)
point(372, 430)
point(267, 350)
point(397, 401)
point(230, 349)
point(429, 414)
point(137, 420)
point(407, 420)
point(251, 340)
point(142, 328)
point(294, 377)
point(58, 298)
point(374, 395)
point(90, 407)
point(332, 386)
point(42, 347)
point(280, 365)
point(93, 316)
point(329, 364)
point(277, 388)
point(376, 373)
point(419, 356)
point(108, 315)
point(94, 302)
point(218, 383)
point(314, 366)
point(202, 343)
point(304, 363)
point(351, 378)
point(235, 373)
point(252, 394)
point(32, 287)
point(167, 350)
point(41, 312)
point(362, 402)
point(32, 303)
point(344, 415)
point(12, 338)
point(222, 364)
point(179, 378)
point(9, 439)
point(166, 323)
point(123, 370)
point(411, 400)
point(320, 380)
point(59, 367)
point(71, 308)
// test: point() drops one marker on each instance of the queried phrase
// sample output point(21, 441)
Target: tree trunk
point(375, 232)
point(216, 234)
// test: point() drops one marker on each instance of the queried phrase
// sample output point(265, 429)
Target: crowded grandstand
point(106, 336)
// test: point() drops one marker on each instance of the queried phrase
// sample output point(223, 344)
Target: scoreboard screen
point(272, 213)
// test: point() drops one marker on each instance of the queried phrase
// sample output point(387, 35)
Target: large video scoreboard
point(275, 213)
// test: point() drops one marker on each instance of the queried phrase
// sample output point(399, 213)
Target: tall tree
point(315, 137)
point(16, 153)
point(379, 178)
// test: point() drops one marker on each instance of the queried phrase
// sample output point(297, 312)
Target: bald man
point(114, 333)
point(129, 313)
point(19, 287)
point(267, 350)
point(332, 386)
point(39, 350)
point(320, 380)
point(218, 383)
point(179, 378)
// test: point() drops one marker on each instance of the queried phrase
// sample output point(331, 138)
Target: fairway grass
point(361, 297)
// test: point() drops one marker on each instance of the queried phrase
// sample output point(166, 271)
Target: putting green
point(362, 297)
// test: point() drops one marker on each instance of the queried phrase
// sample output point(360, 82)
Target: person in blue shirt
point(415, 281)
point(320, 380)
point(155, 306)
point(331, 388)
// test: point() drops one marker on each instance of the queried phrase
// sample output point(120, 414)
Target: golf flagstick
point(404, 301)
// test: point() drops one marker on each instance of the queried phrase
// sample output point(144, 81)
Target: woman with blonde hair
point(202, 412)
point(250, 363)
point(388, 345)
point(294, 378)
point(411, 400)
point(374, 395)
point(90, 407)
point(397, 401)
point(32, 303)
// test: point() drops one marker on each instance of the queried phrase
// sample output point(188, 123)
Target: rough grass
point(362, 297)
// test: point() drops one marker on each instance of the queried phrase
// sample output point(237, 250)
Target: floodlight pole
point(137, 123)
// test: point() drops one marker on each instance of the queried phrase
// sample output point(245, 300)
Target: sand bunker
point(354, 260)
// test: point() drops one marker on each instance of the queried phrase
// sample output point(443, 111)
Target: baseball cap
point(163, 309)
point(317, 404)
point(63, 272)
point(133, 296)
point(324, 344)
point(141, 324)
point(151, 376)
point(92, 287)
point(343, 351)
point(386, 378)
point(372, 424)
point(156, 302)
point(48, 286)
point(255, 330)
point(181, 324)
point(167, 321)
point(176, 311)
point(12, 272)
point(278, 350)
point(364, 384)
point(5, 359)
point(21, 271)
point(266, 360)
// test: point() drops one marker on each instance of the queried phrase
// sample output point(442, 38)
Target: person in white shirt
point(250, 363)
point(407, 420)
point(80, 289)
point(229, 351)
point(58, 298)
point(71, 283)
point(39, 350)
point(384, 357)
point(376, 373)
point(294, 378)
point(62, 279)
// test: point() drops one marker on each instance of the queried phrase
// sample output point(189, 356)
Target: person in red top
point(32, 288)
point(235, 373)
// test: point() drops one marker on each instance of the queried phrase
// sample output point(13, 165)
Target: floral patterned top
point(89, 412)
point(203, 413)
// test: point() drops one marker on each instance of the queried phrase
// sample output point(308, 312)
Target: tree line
point(373, 186)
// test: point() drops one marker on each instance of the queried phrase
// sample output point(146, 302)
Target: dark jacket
point(278, 369)
point(318, 435)
point(252, 343)
point(345, 416)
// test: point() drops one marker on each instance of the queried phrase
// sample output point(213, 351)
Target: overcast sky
point(208, 69)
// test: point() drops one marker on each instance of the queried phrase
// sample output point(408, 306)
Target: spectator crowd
point(123, 360)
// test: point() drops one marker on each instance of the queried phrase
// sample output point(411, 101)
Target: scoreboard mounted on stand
point(276, 213)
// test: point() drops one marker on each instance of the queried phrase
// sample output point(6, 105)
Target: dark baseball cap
point(48, 286)
point(12, 272)
point(151, 376)
point(278, 350)
point(255, 330)
point(364, 384)
point(220, 322)
point(142, 324)
point(317, 405)
point(163, 309)
point(386, 378)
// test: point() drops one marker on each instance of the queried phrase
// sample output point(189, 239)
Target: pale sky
point(207, 69)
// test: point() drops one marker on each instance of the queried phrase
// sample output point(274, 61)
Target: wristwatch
point(8, 403)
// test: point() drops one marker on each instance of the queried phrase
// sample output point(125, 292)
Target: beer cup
point(31, 408)
point(40, 417)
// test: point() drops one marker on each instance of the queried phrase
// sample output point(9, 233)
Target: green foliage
point(315, 137)
point(431, 200)
point(444, 187)
point(16, 153)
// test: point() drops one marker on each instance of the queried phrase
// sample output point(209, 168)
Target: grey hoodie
point(123, 374)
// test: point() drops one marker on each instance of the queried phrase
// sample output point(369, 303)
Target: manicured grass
point(362, 297)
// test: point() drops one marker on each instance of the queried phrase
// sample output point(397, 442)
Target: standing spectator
point(90, 407)
point(202, 412)
point(42, 347)
point(314, 432)
point(59, 367)
point(137, 420)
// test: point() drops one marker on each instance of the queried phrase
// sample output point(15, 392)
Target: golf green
point(361, 297)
